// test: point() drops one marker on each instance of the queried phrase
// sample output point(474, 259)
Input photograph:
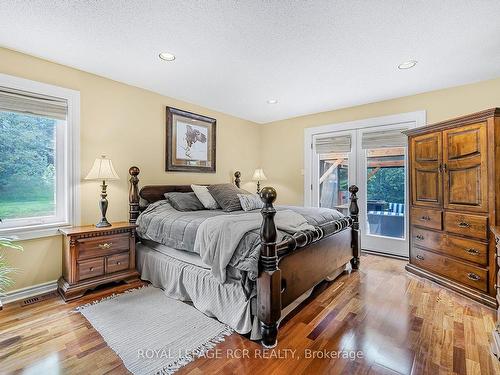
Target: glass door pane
point(334, 181)
point(385, 192)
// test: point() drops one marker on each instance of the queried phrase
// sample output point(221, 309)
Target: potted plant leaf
point(5, 269)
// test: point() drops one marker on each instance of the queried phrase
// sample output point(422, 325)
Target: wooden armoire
point(455, 198)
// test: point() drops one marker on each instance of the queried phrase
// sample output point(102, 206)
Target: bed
point(250, 293)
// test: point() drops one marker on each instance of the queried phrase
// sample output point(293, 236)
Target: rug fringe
point(112, 296)
point(198, 352)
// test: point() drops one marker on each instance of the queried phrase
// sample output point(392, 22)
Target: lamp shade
point(102, 170)
point(259, 175)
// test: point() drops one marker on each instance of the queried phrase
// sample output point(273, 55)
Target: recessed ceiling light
point(272, 101)
point(407, 64)
point(167, 56)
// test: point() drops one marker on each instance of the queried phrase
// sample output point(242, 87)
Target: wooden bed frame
point(287, 269)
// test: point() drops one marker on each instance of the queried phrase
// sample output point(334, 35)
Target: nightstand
point(94, 256)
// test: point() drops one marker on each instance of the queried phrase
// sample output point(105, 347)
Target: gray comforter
point(161, 223)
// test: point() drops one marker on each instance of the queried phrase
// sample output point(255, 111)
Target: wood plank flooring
point(399, 322)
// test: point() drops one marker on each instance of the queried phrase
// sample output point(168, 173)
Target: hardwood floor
point(399, 322)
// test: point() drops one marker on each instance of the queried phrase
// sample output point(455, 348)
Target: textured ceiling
point(232, 56)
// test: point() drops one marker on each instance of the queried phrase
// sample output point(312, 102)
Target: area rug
point(151, 333)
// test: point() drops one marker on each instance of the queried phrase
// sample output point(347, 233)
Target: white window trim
point(418, 118)
point(72, 160)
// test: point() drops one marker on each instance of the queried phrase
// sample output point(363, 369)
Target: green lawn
point(18, 209)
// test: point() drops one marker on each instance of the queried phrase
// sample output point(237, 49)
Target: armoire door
point(426, 158)
point(465, 168)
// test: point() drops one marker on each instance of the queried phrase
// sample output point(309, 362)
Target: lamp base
point(103, 223)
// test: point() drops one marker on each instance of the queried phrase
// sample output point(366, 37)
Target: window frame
point(67, 165)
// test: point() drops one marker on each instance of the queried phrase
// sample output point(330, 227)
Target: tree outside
point(27, 166)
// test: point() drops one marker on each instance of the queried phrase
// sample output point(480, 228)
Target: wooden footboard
point(286, 269)
point(305, 258)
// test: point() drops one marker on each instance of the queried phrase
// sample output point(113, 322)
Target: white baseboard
point(30, 291)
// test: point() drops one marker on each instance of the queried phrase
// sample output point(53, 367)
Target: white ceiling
point(232, 56)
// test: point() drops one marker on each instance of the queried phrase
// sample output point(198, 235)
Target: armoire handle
point(473, 276)
point(472, 251)
point(463, 224)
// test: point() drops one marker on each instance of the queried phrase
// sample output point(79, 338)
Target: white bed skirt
point(188, 282)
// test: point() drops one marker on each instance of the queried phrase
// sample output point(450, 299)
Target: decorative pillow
point(184, 201)
point(250, 202)
point(227, 196)
point(205, 197)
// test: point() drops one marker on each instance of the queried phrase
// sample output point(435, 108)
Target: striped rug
point(151, 333)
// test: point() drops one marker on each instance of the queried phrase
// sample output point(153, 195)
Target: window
point(38, 157)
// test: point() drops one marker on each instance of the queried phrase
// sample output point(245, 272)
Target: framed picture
point(190, 142)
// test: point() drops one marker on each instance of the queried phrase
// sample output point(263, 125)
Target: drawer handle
point(105, 245)
point(420, 257)
point(419, 237)
point(464, 224)
point(472, 251)
point(91, 269)
point(118, 263)
point(425, 218)
point(473, 276)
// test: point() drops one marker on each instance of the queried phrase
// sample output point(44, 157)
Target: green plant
point(5, 269)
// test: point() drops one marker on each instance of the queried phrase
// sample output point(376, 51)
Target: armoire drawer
point(466, 225)
point(427, 218)
point(475, 277)
point(447, 244)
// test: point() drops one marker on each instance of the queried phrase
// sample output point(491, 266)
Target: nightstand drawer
point(101, 246)
point(118, 262)
point(90, 268)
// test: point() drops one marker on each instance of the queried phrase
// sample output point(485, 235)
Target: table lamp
point(259, 176)
point(103, 170)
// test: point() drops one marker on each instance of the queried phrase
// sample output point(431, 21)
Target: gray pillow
point(250, 202)
point(184, 201)
point(226, 195)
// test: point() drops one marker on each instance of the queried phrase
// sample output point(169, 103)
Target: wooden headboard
point(153, 193)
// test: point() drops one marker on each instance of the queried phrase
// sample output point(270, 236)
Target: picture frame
point(190, 142)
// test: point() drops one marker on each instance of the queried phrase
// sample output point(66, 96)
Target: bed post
point(133, 194)
point(237, 180)
point(354, 212)
point(269, 280)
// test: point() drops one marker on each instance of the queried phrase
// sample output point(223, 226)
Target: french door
point(374, 159)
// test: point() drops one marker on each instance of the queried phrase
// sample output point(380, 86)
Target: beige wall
point(282, 142)
point(127, 124)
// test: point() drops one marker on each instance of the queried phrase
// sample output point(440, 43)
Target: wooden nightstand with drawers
point(94, 256)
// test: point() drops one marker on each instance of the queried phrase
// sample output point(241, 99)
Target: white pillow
point(250, 202)
point(205, 197)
